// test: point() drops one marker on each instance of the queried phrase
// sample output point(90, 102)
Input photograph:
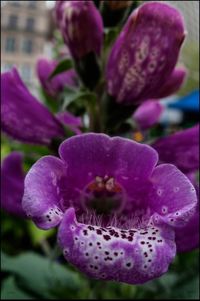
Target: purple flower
point(117, 210)
point(81, 26)
point(57, 83)
point(12, 184)
point(181, 149)
point(23, 117)
point(147, 114)
point(144, 56)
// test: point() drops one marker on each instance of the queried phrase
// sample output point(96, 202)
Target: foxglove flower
point(23, 117)
point(12, 184)
point(180, 149)
point(55, 85)
point(81, 26)
point(144, 56)
point(117, 210)
point(147, 114)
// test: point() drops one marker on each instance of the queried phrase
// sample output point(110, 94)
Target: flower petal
point(102, 253)
point(57, 83)
point(172, 195)
point(173, 83)
point(181, 149)
point(97, 155)
point(43, 192)
point(12, 184)
point(78, 17)
point(148, 113)
point(144, 56)
point(187, 238)
point(70, 121)
point(22, 116)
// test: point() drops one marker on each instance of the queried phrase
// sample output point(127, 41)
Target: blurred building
point(25, 35)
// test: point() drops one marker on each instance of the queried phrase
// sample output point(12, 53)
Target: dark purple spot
point(86, 254)
point(90, 228)
point(90, 244)
point(99, 231)
point(128, 264)
point(85, 232)
point(149, 260)
point(106, 252)
point(115, 253)
point(130, 238)
point(98, 243)
point(142, 242)
point(106, 237)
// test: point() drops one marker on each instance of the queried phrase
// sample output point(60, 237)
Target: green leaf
point(62, 67)
point(41, 276)
point(10, 291)
point(82, 96)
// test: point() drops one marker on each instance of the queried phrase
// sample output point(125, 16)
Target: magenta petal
point(57, 83)
point(78, 18)
point(172, 195)
point(22, 116)
point(70, 121)
point(144, 56)
point(97, 155)
point(12, 184)
point(181, 149)
point(43, 192)
point(148, 114)
point(143, 255)
point(173, 83)
point(187, 238)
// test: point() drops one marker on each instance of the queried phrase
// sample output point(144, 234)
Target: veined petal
point(22, 116)
point(145, 54)
point(97, 155)
point(43, 194)
point(172, 195)
point(12, 184)
point(132, 256)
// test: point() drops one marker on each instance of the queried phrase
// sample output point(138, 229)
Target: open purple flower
point(81, 26)
point(12, 184)
point(148, 113)
point(55, 85)
point(23, 117)
point(182, 149)
point(117, 209)
point(142, 61)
